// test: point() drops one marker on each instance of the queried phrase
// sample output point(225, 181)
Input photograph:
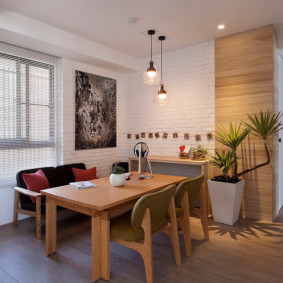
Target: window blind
point(27, 111)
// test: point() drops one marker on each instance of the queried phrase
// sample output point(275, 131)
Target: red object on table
point(182, 148)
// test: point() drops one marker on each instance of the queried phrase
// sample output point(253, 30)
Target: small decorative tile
point(186, 136)
point(209, 136)
point(197, 137)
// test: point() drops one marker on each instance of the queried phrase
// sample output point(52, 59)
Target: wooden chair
point(149, 216)
point(186, 194)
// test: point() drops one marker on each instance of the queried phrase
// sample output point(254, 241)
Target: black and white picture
point(95, 111)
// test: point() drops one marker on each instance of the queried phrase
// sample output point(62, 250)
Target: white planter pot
point(226, 200)
point(117, 180)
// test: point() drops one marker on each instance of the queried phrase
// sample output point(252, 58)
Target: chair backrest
point(65, 175)
point(158, 204)
point(191, 186)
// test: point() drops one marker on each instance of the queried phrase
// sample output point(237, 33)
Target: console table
point(204, 165)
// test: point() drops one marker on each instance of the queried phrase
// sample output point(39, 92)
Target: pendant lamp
point(151, 75)
point(162, 96)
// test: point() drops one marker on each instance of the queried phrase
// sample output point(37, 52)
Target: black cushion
point(49, 172)
point(65, 175)
point(59, 176)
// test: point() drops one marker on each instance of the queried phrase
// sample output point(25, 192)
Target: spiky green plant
point(224, 161)
point(263, 126)
point(232, 139)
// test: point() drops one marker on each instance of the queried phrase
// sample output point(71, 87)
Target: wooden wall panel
point(244, 84)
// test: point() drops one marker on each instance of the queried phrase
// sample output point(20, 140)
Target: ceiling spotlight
point(221, 27)
point(132, 20)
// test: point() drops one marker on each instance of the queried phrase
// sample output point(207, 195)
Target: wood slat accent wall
point(244, 84)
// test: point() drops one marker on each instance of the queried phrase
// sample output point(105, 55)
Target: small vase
point(117, 180)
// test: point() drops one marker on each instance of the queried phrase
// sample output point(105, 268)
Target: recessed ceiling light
point(221, 27)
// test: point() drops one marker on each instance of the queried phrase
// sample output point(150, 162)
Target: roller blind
point(27, 111)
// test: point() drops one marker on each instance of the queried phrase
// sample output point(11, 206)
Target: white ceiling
point(185, 22)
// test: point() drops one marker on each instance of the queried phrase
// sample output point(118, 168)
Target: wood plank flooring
point(249, 251)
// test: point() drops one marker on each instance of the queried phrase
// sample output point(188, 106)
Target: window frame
point(19, 141)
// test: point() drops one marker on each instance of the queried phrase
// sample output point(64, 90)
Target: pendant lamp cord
point(161, 62)
point(151, 48)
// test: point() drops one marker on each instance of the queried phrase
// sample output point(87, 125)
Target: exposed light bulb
point(162, 96)
point(221, 26)
point(151, 74)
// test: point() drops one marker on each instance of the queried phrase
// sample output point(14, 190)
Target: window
point(27, 126)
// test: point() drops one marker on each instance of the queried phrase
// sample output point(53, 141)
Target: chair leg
point(16, 206)
point(174, 232)
point(38, 217)
point(186, 225)
point(146, 251)
point(203, 213)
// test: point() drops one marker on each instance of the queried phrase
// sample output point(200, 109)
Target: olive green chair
point(186, 194)
point(149, 216)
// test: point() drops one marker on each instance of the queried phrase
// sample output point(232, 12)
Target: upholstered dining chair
point(186, 194)
point(149, 216)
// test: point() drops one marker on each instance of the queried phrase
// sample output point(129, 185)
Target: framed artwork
point(156, 135)
point(186, 136)
point(137, 136)
point(175, 135)
point(142, 135)
point(150, 135)
point(95, 122)
point(165, 135)
point(209, 136)
point(197, 137)
point(129, 136)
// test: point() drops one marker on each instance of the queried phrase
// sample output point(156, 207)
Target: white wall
point(189, 77)
point(101, 158)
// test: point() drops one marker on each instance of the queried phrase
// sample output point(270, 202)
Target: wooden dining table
point(102, 203)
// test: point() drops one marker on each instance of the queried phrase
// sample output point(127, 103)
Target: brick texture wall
point(189, 77)
point(101, 158)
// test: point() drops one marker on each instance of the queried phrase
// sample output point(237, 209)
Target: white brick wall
point(189, 77)
point(101, 158)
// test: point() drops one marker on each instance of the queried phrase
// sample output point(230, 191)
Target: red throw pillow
point(35, 182)
point(84, 175)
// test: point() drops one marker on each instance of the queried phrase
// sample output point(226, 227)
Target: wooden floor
point(249, 251)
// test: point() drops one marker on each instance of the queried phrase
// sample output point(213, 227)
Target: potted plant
point(226, 191)
point(199, 152)
point(117, 177)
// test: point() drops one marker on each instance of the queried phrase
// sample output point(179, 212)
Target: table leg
point(51, 227)
point(105, 248)
point(96, 243)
